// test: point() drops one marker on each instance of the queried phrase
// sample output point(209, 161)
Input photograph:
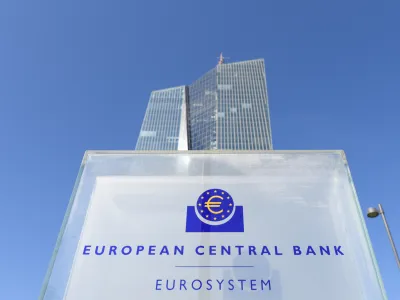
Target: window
point(224, 87)
point(147, 133)
point(246, 105)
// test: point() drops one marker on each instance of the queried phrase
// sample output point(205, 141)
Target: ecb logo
point(215, 211)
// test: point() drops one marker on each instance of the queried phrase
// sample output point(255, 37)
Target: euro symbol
point(210, 204)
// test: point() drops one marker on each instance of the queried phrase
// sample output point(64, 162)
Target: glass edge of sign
point(63, 226)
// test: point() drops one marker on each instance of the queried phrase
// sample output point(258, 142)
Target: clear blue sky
point(76, 75)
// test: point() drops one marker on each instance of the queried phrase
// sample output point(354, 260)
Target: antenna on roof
point(222, 59)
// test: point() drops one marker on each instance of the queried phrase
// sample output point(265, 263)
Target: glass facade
point(202, 112)
point(243, 121)
point(227, 109)
point(164, 125)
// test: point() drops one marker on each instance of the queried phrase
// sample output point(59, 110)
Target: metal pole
point(396, 255)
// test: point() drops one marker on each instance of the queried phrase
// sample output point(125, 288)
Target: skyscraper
point(227, 108)
point(165, 124)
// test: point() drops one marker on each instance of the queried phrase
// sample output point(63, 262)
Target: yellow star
point(222, 193)
point(202, 197)
point(206, 216)
point(201, 211)
point(229, 211)
point(230, 204)
point(199, 204)
point(208, 193)
point(215, 218)
point(228, 197)
point(223, 216)
point(215, 191)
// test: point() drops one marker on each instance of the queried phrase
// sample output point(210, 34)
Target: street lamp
point(373, 212)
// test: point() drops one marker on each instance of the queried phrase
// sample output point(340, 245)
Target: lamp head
point(372, 212)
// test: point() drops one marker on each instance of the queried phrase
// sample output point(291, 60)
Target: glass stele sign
point(278, 225)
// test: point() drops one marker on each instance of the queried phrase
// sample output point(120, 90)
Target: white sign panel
point(216, 238)
point(181, 226)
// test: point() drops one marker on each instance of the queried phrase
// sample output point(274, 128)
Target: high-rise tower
point(227, 108)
